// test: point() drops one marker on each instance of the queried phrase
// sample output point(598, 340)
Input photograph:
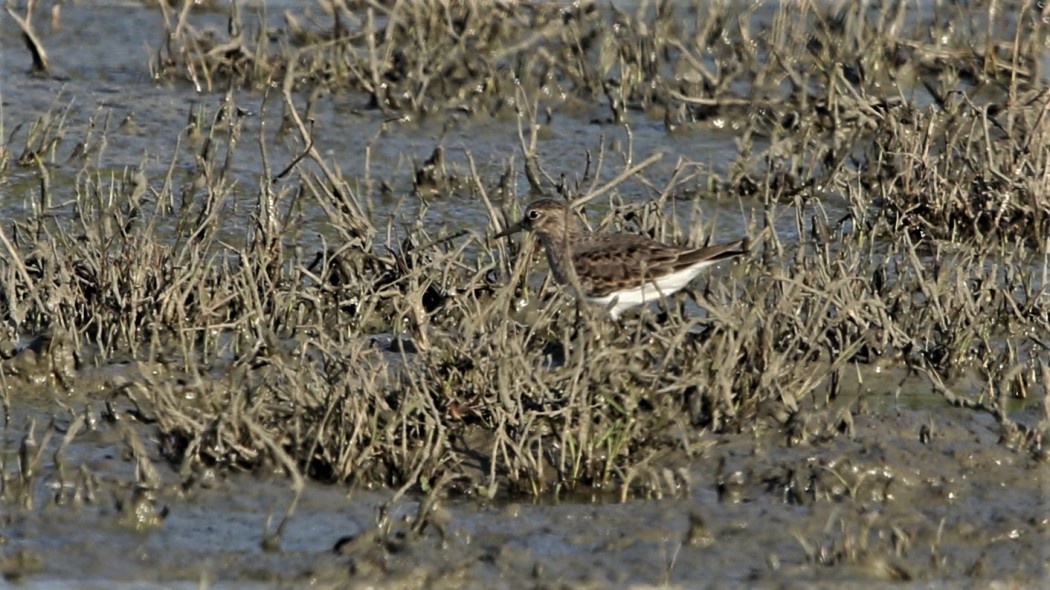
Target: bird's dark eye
point(534, 215)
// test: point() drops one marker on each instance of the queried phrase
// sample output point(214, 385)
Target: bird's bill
point(517, 227)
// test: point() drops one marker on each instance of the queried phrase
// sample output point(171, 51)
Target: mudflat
point(257, 330)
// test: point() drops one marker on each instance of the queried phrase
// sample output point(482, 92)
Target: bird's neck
point(559, 255)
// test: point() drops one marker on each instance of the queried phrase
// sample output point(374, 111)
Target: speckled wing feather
point(611, 262)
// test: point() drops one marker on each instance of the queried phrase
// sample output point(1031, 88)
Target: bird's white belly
point(650, 291)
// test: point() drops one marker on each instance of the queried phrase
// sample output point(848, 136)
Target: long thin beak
point(517, 227)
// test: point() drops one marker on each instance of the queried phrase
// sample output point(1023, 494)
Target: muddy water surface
point(913, 494)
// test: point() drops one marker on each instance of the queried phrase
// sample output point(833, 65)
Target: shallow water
point(106, 87)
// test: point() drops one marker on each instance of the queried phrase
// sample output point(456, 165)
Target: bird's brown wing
point(617, 261)
point(711, 253)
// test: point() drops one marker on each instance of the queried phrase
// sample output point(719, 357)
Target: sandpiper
point(615, 271)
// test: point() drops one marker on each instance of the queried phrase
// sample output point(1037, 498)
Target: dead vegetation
point(398, 356)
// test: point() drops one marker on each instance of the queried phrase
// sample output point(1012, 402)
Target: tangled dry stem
point(397, 357)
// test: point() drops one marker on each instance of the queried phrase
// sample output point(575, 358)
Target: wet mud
point(255, 331)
